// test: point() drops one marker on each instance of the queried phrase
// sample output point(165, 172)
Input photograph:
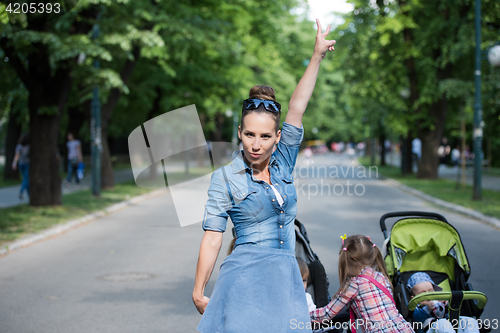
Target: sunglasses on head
point(254, 103)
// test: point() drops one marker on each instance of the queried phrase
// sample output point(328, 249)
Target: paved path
point(450, 173)
point(9, 195)
point(64, 284)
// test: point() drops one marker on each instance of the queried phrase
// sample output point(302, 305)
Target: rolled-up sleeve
point(218, 204)
point(288, 146)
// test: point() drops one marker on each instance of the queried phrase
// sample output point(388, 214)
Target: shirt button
point(267, 188)
point(281, 212)
point(285, 196)
point(281, 226)
point(281, 242)
point(273, 200)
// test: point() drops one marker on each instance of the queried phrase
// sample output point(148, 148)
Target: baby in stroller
point(431, 314)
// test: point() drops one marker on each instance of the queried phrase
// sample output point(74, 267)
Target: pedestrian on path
point(416, 150)
point(259, 288)
point(22, 156)
point(74, 158)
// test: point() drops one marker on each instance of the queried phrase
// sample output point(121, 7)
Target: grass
point(18, 221)
point(445, 190)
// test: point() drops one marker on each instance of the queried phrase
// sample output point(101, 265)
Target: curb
point(492, 221)
point(60, 228)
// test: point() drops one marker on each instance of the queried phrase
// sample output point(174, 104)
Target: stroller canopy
point(426, 244)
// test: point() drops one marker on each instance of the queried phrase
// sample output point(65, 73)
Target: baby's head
point(304, 271)
point(421, 282)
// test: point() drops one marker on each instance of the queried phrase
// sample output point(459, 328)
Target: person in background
point(22, 156)
point(74, 157)
point(416, 150)
point(443, 152)
point(455, 156)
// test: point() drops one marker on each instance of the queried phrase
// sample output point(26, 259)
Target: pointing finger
point(320, 30)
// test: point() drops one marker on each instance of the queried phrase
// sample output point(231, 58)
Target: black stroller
point(318, 282)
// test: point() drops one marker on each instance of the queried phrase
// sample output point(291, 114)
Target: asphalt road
point(133, 271)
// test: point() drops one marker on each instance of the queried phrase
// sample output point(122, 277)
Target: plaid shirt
point(372, 305)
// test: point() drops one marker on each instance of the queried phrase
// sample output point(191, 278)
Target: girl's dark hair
point(359, 253)
point(262, 92)
point(24, 140)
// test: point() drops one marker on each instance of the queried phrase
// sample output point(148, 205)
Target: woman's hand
point(322, 45)
point(200, 303)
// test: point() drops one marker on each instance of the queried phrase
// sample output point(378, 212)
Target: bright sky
point(322, 9)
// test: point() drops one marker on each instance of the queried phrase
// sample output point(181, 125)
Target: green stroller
point(421, 241)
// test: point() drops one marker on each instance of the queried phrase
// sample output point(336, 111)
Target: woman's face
point(258, 136)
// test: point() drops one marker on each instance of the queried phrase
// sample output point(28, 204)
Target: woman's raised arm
point(302, 93)
point(209, 250)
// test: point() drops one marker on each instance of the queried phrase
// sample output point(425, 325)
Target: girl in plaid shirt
point(363, 278)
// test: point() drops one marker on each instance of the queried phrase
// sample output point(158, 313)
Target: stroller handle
point(446, 296)
point(408, 214)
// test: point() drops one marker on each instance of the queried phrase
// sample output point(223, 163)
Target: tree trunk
point(382, 146)
point(431, 136)
point(48, 92)
point(430, 141)
point(429, 163)
point(45, 160)
point(45, 179)
point(11, 139)
point(219, 124)
point(408, 154)
point(107, 178)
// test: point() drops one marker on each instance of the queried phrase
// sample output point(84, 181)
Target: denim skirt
point(259, 289)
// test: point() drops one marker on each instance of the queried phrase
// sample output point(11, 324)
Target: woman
point(23, 157)
point(74, 157)
point(259, 288)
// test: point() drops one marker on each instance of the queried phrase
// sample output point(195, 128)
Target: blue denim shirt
point(256, 214)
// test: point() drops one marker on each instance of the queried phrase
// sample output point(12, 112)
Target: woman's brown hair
point(266, 93)
point(356, 253)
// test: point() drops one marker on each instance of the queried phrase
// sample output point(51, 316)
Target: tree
point(43, 55)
